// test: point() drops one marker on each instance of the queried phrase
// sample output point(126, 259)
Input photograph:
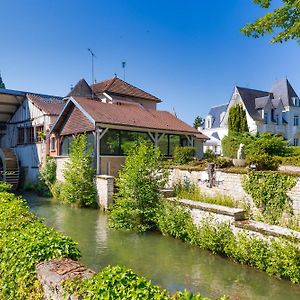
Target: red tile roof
point(51, 105)
point(119, 87)
point(133, 115)
point(76, 122)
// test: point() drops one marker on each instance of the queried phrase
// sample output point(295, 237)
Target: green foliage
point(183, 155)
point(187, 190)
point(47, 177)
point(198, 122)
point(237, 120)
point(223, 162)
point(139, 184)
point(260, 149)
point(276, 256)
point(292, 156)
point(25, 241)
point(209, 155)
point(269, 193)
point(5, 187)
point(230, 146)
point(283, 21)
point(119, 283)
point(79, 187)
point(2, 85)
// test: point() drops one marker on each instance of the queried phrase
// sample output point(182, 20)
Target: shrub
point(139, 184)
point(183, 155)
point(119, 283)
point(25, 241)
point(47, 177)
point(269, 193)
point(79, 187)
point(209, 155)
point(276, 256)
point(223, 162)
point(237, 120)
point(230, 146)
point(263, 162)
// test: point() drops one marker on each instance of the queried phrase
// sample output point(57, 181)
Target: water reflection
point(168, 262)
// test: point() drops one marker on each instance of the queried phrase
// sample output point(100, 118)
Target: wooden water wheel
point(9, 167)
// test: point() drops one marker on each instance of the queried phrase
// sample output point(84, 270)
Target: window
point(65, 145)
point(168, 143)
point(53, 144)
point(117, 142)
point(21, 133)
point(265, 117)
point(208, 122)
point(277, 119)
point(272, 115)
point(296, 142)
point(30, 135)
point(40, 136)
point(296, 120)
point(296, 101)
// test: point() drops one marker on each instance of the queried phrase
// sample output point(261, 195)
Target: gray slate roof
point(282, 89)
point(215, 112)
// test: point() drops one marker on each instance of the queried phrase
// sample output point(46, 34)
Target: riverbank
point(25, 242)
point(168, 262)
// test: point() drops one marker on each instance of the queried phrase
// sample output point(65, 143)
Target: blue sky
point(189, 53)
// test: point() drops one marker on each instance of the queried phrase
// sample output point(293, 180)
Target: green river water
point(168, 262)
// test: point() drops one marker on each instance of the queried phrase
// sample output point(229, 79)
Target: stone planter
point(239, 162)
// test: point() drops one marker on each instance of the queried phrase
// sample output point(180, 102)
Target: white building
point(276, 111)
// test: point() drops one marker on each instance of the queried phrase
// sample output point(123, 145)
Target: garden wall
point(237, 219)
point(228, 184)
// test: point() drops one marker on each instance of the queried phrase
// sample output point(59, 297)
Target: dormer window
point(296, 101)
point(208, 122)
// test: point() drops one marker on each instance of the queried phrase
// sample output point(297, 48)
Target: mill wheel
point(9, 167)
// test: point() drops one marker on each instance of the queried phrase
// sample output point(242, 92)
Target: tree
point(237, 120)
point(2, 85)
point(79, 187)
point(284, 22)
point(138, 198)
point(198, 122)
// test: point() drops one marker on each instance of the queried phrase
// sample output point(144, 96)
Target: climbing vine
point(269, 193)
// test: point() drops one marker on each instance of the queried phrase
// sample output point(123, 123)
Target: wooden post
point(98, 168)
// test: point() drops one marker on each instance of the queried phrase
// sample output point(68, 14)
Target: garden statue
point(241, 152)
point(211, 175)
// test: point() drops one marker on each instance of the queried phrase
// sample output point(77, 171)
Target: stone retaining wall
point(236, 218)
point(228, 184)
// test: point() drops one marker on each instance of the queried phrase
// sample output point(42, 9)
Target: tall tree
point(283, 22)
point(2, 85)
point(237, 120)
point(198, 122)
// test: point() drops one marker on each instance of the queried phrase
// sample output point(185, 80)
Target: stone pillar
point(53, 273)
point(105, 188)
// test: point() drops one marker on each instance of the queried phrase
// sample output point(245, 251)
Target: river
point(168, 262)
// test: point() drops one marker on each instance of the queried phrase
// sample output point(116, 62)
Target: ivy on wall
point(269, 193)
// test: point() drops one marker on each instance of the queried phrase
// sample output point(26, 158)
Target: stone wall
point(105, 189)
point(60, 166)
point(236, 218)
point(228, 184)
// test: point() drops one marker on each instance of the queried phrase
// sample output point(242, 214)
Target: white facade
point(277, 112)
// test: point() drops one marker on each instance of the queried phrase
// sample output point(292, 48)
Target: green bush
point(230, 146)
point(223, 162)
point(183, 155)
point(47, 177)
point(276, 256)
point(269, 193)
point(188, 190)
point(209, 155)
point(25, 241)
point(263, 162)
point(138, 197)
point(119, 283)
point(79, 187)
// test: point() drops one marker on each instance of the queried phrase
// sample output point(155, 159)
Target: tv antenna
point(124, 66)
point(93, 57)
